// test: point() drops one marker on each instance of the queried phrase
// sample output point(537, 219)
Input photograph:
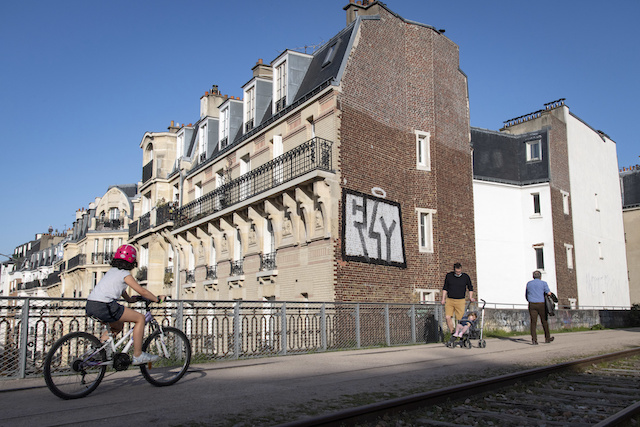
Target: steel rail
point(372, 411)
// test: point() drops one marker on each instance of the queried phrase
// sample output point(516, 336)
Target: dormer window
point(249, 108)
point(534, 150)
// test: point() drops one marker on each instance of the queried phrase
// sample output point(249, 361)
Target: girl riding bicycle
point(102, 302)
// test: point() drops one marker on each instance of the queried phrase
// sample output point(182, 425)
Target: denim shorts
point(105, 311)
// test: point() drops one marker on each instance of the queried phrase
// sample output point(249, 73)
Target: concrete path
point(262, 391)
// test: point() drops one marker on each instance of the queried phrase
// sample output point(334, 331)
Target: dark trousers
point(538, 309)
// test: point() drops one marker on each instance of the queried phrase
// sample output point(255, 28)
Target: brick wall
point(401, 78)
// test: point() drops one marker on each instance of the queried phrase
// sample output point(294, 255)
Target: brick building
point(343, 175)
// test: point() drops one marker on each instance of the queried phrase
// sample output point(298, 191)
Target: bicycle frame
point(149, 319)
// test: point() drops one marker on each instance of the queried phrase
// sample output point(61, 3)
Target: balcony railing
point(164, 213)
point(78, 260)
point(147, 171)
point(102, 258)
point(133, 229)
point(212, 272)
point(144, 222)
point(237, 267)
point(108, 224)
point(190, 276)
point(268, 262)
point(314, 154)
point(141, 275)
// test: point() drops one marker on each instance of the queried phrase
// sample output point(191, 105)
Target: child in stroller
point(465, 331)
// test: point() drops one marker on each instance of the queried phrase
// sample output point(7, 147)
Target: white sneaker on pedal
point(144, 358)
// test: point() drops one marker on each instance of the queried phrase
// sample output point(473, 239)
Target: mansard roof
point(501, 157)
point(630, 183)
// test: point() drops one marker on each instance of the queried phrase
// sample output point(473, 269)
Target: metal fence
point(221, 330)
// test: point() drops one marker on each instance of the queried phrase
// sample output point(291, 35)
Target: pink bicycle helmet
point(127, 253)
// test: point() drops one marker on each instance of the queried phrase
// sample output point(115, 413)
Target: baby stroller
point(474, 332)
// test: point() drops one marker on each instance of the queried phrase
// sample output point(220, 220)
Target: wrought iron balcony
point(314, 154)
point(147, 172)
point(164, 213)
point(268, 261)
point(133, 229)
point(212, 272)
point(109, 224)
point(76, 261)
point(191, 276)
point(101, 258)
point(144, 222)
point(141, 275)
point(281, 103)
point(237, 268)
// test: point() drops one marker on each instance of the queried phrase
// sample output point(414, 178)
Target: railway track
point(600, 390)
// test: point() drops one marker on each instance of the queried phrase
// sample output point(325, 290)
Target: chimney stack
point(261, 70)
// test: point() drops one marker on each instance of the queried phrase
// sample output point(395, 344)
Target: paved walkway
point(259, 391)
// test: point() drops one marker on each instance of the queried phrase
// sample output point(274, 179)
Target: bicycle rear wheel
point(73, 367)
point(174, 349)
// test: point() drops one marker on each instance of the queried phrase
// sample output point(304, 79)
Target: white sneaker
point(144, 358)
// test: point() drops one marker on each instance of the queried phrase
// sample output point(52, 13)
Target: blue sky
point(81, 81)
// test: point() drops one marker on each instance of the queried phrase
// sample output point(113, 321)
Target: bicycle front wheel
point(74, 366)
point(174, 349)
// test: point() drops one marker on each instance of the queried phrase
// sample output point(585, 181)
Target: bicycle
point(77, 362)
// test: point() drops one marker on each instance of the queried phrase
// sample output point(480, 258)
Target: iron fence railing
point(221, 330)
point(314, 154)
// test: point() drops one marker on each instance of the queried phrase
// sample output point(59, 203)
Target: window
point(565, 202)
point(108, 246)
point(250, 101)
point(224, 127)
point(423, 155)
point(536, 203)
point(245, 185)
point(534, 151)
point(114, 213)
point(331, 53)
point(269, 237)
point(425, 229)
point(281, 86)
point(179, 145)
point(426, 295)
point(569, 250)
point(539, 257)
point(237, 247)
point(202, 142)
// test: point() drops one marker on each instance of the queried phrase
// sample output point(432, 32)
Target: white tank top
point(110, 287)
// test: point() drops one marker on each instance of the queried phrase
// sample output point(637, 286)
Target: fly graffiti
point(372, 230)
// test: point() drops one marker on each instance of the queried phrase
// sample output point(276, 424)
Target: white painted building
point(547, 197)
point(508, 232)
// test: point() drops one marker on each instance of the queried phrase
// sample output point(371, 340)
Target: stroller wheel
point(467, 343)
point(482, 343)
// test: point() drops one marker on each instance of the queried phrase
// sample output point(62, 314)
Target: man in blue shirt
point(536, 291)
